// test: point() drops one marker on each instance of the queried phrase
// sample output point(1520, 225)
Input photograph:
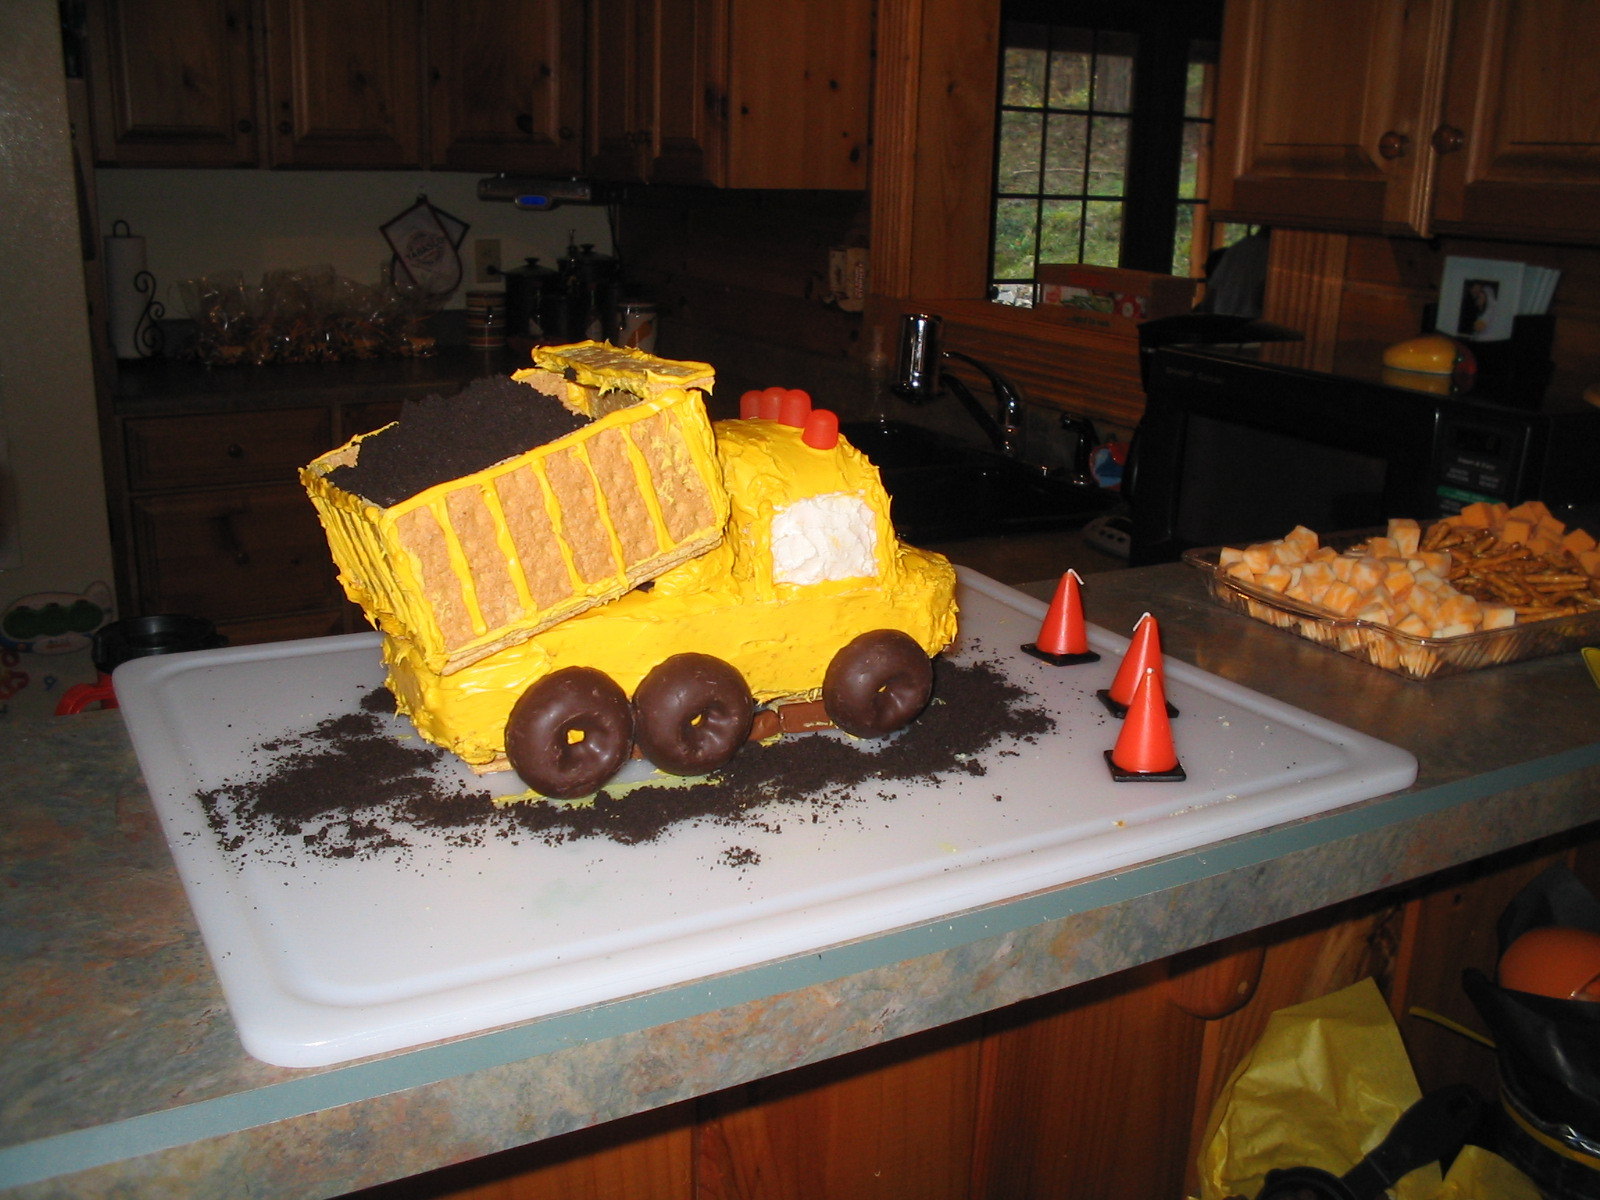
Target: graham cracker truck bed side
point(473, 565)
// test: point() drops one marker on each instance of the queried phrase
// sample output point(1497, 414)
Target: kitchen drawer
point(235, 553)
point(224, 448)
point(364, 418)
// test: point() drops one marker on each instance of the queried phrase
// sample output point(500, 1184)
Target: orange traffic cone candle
point(1063, 640)
point(1144, 654)
point(1144, 749)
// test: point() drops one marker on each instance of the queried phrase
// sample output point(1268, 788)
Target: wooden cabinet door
point(344, 83)
point(687, 122)
point(799, 94)
point(505, 85)
point(1325, 113)
point(1520, 133)
point(172, 83)
point(617, 31)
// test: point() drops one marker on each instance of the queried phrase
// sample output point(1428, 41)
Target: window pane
point(1060, 231)
point(1019, 295)
point(1013, 238)
point(1018, 169)
point(1113, 77)
point(1066, 153)
point(1022, 75)
point(1195, 134)
point(1108, 155)
point(1183, 242)
point(1071, 65)
point(1102, 238)
point(1201, 75)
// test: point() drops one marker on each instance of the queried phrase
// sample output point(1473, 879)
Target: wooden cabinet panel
point(224, 448)
point(656, 90)
point(1524, 97)
point(227, 554)
point(799, 93)
point(1325, 110)
point(344, 80)
point(890, 1123)
point(364, 418)
point(172, 82)
point(505, 85)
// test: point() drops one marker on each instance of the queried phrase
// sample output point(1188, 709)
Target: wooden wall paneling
point(1087, 1092)
point(889, 1123)
point(1305, 281)
point(934, 147)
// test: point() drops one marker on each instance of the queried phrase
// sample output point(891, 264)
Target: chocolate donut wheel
point(878, 683)
point(691, 714)
point(569, 732)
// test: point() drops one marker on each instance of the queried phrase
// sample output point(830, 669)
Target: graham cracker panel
point(582, 527)
point(422, 537)
point(685, 500)
point(522, 500)
point(630, 514)
point(478, 533)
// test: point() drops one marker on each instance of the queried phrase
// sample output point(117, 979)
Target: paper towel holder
point(145, 337)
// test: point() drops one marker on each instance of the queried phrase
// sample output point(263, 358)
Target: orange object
point(750, 404)
point(794, 408)
point(1144, 654)
point(821, 429)
point(1554, 960)
point(81, 695)
point(1144, 748)
point(770, 407)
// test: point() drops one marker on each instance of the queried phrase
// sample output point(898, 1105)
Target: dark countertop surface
point(121, 1075)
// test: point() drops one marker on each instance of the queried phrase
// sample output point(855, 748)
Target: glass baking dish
point(1403, 654)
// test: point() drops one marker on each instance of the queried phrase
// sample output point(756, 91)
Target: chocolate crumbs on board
point(348, 788)
point(440, 438)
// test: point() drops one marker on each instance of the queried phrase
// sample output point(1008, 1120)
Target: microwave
point(1240, 444)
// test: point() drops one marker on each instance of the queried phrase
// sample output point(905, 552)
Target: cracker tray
point(1403, 654)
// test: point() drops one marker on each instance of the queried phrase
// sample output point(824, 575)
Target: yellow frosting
point(444, 569)
point(727, 602)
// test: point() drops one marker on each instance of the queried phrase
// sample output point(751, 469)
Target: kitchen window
point(1103, 140)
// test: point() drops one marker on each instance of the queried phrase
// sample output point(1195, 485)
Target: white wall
point(61, 543)
point(199, 222)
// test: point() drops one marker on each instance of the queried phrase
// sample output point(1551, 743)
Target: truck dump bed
point(476, 564)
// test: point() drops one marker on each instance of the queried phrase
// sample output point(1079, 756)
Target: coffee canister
point(636, 325)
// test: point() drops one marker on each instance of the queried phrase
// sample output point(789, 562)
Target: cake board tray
point(326, 960)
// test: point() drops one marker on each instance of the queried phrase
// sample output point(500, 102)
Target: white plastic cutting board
point(327, 960)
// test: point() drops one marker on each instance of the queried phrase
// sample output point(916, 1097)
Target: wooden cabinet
point(730, 92)
point(505, 85)
point(344, 83)
point(1411, 117)
point(211, 520)
point(172, 83)
point(657, 90)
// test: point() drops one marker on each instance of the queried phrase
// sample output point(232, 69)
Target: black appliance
point(1241, 442)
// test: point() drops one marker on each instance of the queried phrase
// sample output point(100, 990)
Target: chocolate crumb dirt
point(348, 788)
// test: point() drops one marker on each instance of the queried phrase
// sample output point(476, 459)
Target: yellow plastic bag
point(1322, 1088)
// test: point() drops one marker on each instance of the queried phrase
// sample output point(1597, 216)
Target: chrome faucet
point(921, 376)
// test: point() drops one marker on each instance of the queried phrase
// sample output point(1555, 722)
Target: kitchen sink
point(942, 489)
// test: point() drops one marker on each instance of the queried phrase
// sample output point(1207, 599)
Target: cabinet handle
point(1447, 139)
point(230, 539)
point(525, 123)
point(246, 125)
point(566, 133)
point(1393, 144)
point(285, 128)
point(234, 450)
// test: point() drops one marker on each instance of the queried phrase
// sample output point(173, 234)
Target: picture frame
point(1479, 298)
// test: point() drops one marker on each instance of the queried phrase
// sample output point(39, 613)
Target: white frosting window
point(824, 538)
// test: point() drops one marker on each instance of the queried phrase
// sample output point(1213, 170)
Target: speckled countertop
point(121, 1075)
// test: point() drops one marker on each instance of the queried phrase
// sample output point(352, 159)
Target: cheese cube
point(1258, 557)
point(1381, 547)
point(1497, 616)
point(1576, 540)
point(1275, 577)
point(1302, 539)
point(1518, 530)
point(1405, 534)
point(1228, 555)
point(1477, 515)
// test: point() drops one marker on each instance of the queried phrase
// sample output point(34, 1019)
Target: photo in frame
point(1479, 298)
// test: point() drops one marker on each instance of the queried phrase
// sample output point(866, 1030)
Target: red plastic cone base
point(1062, 637)
point(1144, 653)
point(1144, 748)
